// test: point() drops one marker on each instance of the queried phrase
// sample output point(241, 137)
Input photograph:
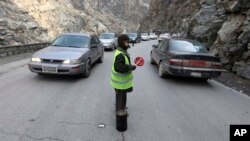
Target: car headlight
point(35, 59)
point(71, 61)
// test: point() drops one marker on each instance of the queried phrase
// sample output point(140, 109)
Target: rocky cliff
point(28, 21)
point(222, 25)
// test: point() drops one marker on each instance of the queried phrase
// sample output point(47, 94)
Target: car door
point(100, 48)
point(159, 51)
point(163, 53)
point(94, 48)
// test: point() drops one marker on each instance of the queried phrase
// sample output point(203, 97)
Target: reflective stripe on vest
point(121, 81)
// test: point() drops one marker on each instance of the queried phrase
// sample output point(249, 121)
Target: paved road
point(50, 108)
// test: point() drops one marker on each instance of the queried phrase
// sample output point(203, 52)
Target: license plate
point(196, 74)
point(49, 69)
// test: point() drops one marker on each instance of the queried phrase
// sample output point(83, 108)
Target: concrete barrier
point(19, 49)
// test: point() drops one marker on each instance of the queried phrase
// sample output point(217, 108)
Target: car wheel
point(87, 69)
point(100, 60)
point(161, 71)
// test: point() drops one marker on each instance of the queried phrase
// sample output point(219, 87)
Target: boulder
point(233, 6)
point(231, 28)
point(237, 65)
point(3, 23)
point(244, 71)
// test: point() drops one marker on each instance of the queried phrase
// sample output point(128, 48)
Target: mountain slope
point(43, 20)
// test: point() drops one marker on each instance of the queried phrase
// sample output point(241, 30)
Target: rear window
point(187, 46)
point(107, 36)
point(132, 34)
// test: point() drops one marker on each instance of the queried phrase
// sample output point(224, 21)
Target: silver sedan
point(69, 54)
point(108, 40)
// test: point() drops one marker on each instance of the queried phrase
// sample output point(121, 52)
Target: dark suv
point(134, 37)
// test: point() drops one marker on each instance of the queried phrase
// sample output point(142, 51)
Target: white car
point(152, 36)
point(145, 37)
point(108, 40)
point(164, 36)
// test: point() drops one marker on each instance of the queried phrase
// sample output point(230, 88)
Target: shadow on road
point(64, 78)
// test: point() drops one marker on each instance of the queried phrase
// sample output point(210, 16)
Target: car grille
point(52, 61)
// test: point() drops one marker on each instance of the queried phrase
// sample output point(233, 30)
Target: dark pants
point(121, 99)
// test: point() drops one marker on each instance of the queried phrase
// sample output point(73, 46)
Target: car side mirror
point(93, 46)
point(154, 46)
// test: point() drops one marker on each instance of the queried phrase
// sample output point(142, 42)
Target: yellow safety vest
point(121, 81)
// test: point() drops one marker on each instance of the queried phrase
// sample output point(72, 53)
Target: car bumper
point(192, 72)
point(132, 41)
point(58, 69)
point(108, 46)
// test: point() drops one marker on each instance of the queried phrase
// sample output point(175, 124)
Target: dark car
point(187, 58)
point(69, 54)
point(134, 37)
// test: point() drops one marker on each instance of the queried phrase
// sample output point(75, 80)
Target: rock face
point(29, 21)
point(17, 26)
point(222, 25)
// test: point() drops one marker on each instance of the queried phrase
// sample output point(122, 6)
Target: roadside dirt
point(235, 82)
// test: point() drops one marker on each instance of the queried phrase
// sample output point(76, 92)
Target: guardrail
point(19, 49)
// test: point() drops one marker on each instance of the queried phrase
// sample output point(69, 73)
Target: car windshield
point(107, 36)
point(187, 46)
point(74, 41)
point(144, 34)
point(132, 35)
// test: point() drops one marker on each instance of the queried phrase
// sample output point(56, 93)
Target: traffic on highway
point(69, 107)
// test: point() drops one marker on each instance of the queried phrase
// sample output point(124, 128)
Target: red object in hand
point(139, 61)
